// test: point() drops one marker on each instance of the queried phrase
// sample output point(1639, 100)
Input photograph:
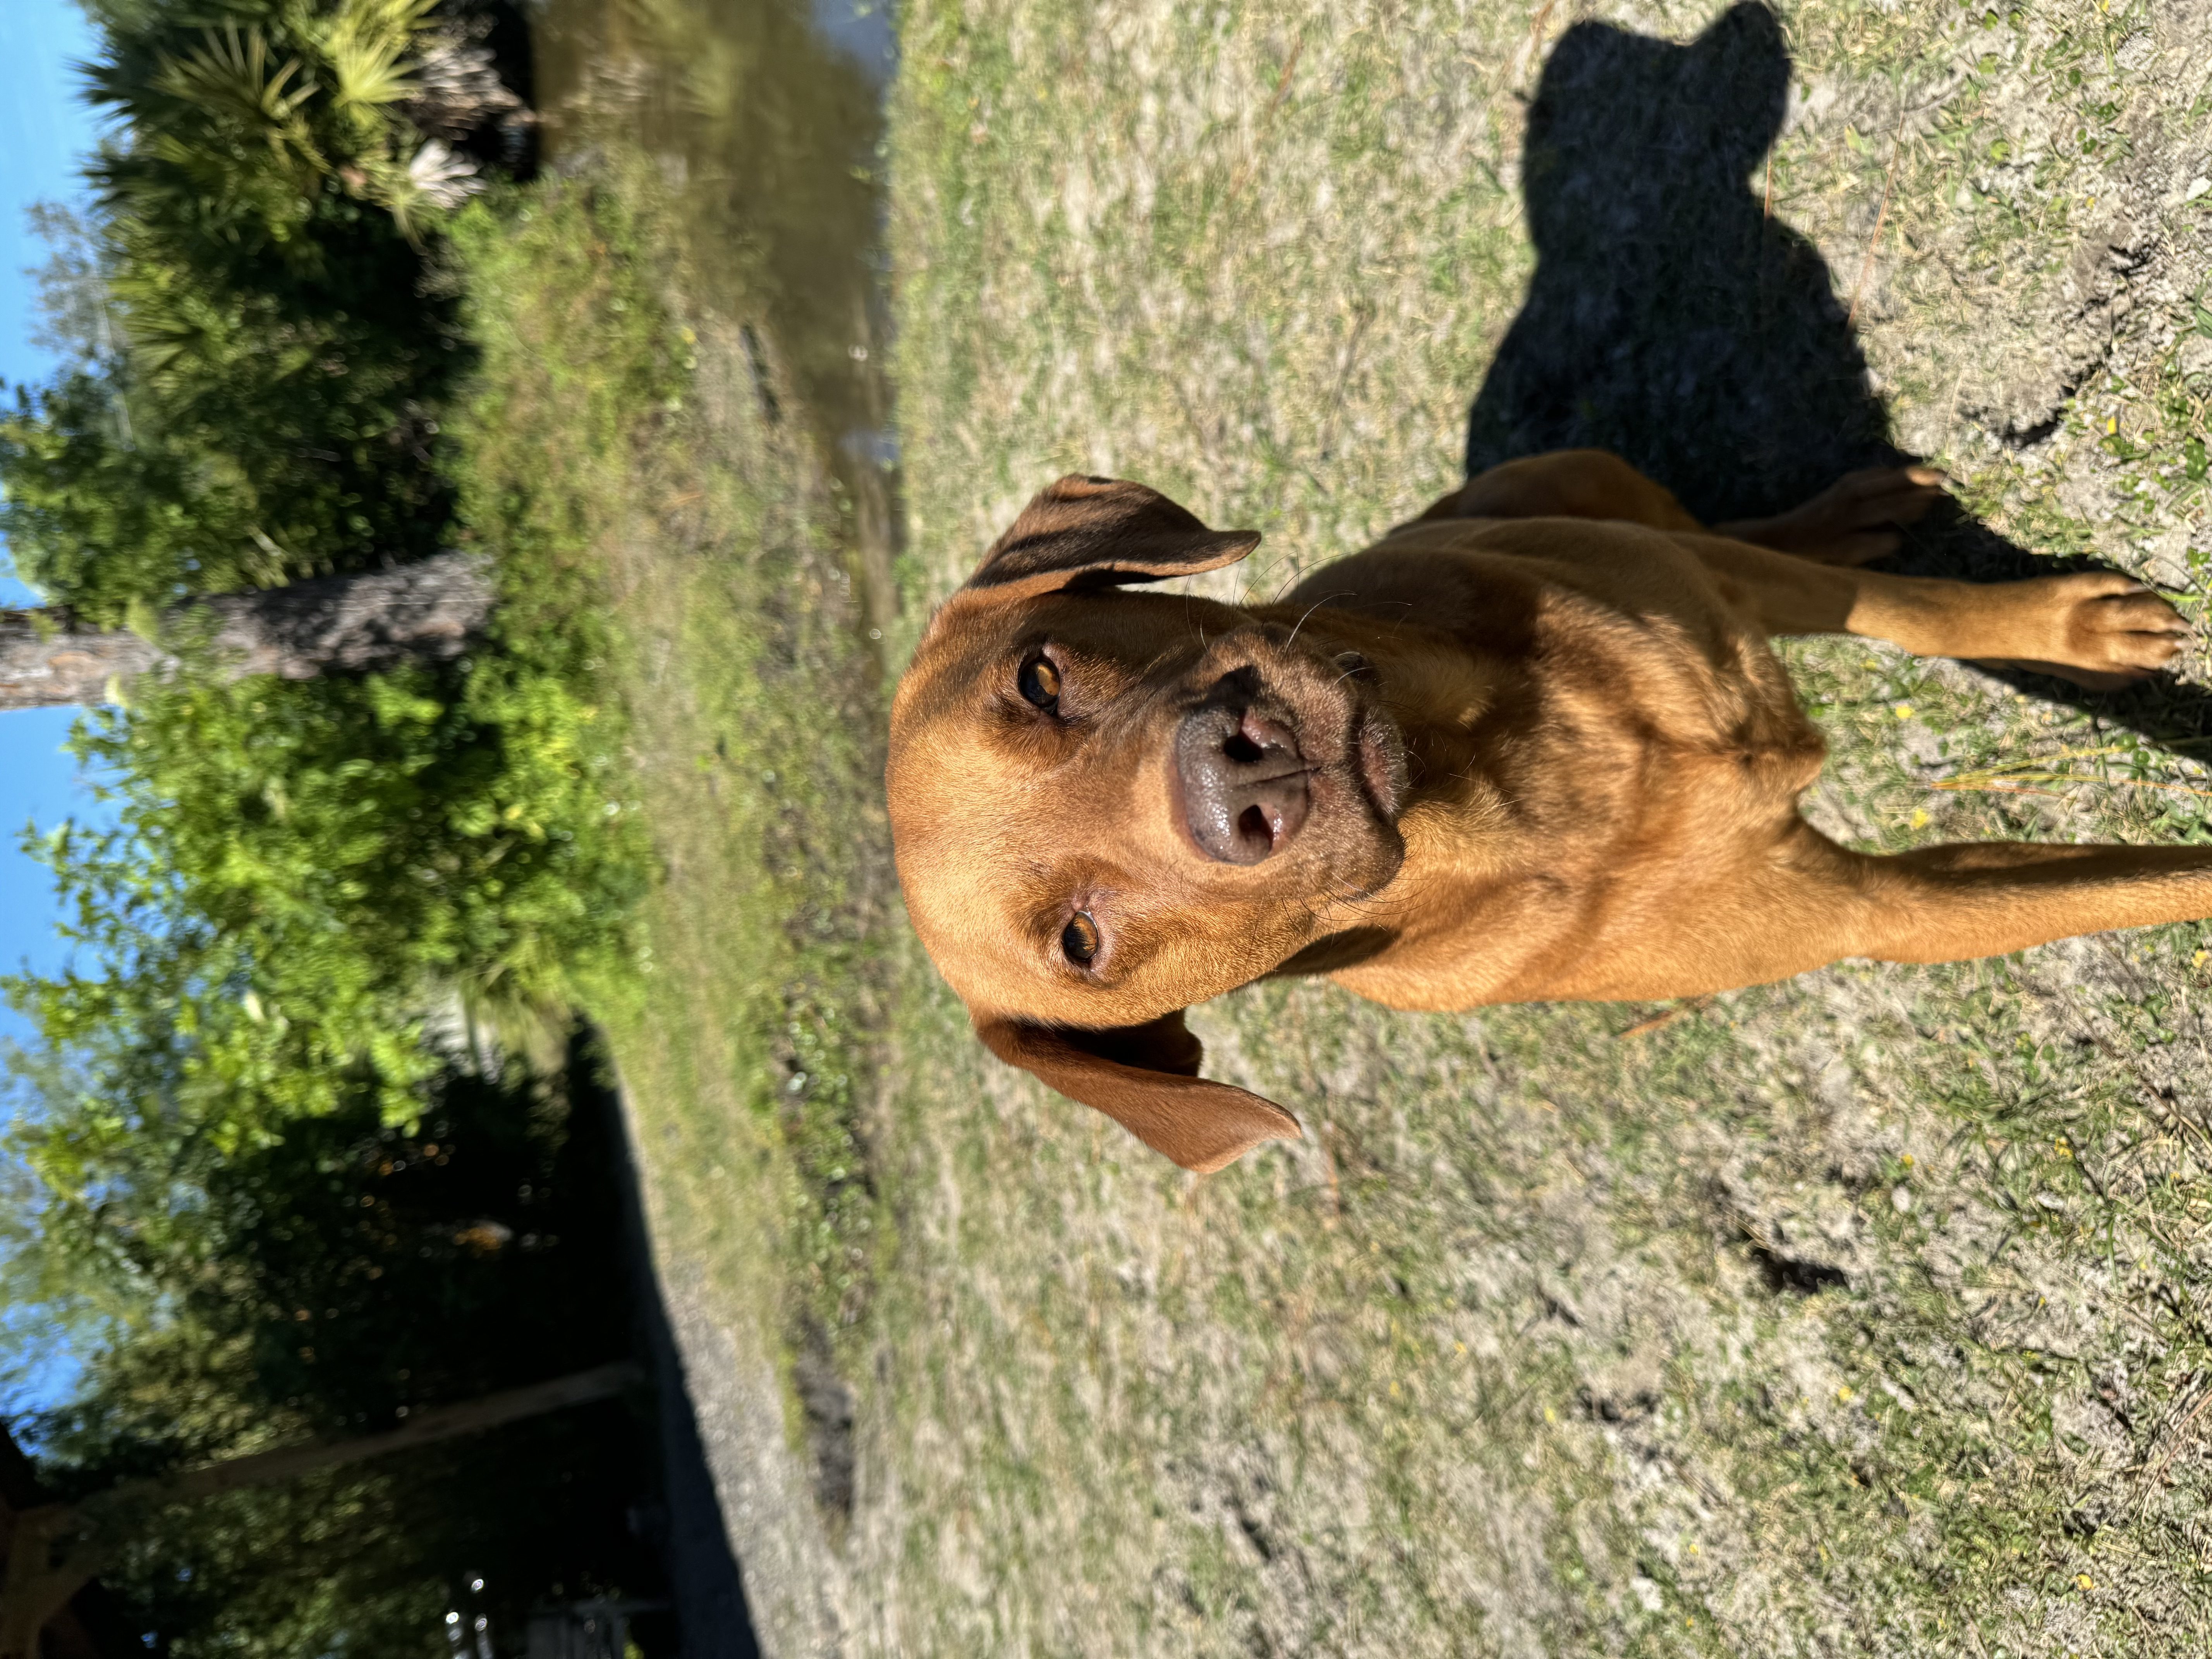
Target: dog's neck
point(1442, 697)
point(1452, 708)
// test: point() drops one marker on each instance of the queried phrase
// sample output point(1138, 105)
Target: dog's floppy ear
point(1146, 1079)
point(1100, 532)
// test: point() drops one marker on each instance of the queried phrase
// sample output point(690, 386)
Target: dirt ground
point(1865, 1314)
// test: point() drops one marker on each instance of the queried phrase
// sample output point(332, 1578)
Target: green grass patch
point(1863, 1313)
point(634, 452)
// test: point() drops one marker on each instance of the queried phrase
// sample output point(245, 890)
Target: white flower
point(442, 178)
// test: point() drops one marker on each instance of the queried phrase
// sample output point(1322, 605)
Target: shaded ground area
point(1675, 319)
point(705, 1583)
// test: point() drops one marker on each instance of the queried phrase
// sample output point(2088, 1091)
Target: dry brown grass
point(1858, 1315)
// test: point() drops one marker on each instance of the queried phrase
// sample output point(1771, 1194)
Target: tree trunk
point(54, 1550)
point(423, 612)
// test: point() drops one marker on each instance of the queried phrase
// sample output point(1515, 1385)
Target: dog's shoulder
point(1611, 643)
point(1514, 586)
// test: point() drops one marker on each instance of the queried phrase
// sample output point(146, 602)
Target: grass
point(650, 473)
point(1862, 1314)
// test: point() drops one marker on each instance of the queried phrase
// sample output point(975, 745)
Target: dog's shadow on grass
point(1674, 320)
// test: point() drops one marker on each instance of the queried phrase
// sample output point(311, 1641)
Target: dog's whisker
point(1314, 606)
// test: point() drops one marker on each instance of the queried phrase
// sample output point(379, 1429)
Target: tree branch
point(55, 1549)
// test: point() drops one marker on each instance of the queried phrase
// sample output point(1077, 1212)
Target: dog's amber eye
point(1040, 683)
point(1079, 939)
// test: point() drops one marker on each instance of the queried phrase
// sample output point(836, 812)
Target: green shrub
point(298, 869)
point(337, 1281)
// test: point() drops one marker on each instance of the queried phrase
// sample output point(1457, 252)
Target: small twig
point(2195, 1411)
point(1536, 30)
point(1364, 314)
point(1643, 1027)
point(1880, 217)
point(1259, 128)
point(1984, 783)
point(1283, 81)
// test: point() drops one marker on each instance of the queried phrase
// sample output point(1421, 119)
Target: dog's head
point(1109, 805)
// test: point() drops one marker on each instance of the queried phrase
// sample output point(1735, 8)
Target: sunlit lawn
point(1863, 1313)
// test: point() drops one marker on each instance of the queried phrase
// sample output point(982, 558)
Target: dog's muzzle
point(1245, 790)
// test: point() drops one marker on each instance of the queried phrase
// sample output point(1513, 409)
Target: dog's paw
point(1854, 521)
point(2102, 631)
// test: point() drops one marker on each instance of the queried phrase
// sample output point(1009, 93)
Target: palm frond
point(229, 74)
point(231, 85)
point(165, 327)
point(365, 44)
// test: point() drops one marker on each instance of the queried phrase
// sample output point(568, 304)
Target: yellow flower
point(1903, 711)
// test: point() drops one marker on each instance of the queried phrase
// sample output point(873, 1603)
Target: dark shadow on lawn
point(712, 1621)
point(1675, 321)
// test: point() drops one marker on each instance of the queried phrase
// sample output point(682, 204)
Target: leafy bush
point(265, 404)
point(304, 878)
point(297, 870)
point(345, 1275)
point(277, 450)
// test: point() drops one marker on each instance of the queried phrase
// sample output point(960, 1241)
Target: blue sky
point(45, 131)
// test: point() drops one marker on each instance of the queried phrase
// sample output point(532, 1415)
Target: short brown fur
point(1545, 749)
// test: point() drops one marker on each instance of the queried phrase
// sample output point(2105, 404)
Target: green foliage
point(298, 869)
point(251, 1180)
point(275, 346)
point(353, 1272)
point(318, 1566)
point(611, 437)
point(246, 116)
point(581, 367)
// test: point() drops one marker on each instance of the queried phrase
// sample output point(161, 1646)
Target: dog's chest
point(1608, 722)
point(1612, 757)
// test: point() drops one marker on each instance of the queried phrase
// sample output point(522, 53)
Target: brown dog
point(1532, 745)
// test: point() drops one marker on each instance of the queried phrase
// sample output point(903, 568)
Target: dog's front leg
point(2098, 629)
point(1807, 903)
point(1953, 902)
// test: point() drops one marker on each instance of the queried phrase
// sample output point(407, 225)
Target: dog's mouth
point(1253, 765)
point(1381, 756)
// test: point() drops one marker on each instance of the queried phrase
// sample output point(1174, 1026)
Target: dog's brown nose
point(1243, 782)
